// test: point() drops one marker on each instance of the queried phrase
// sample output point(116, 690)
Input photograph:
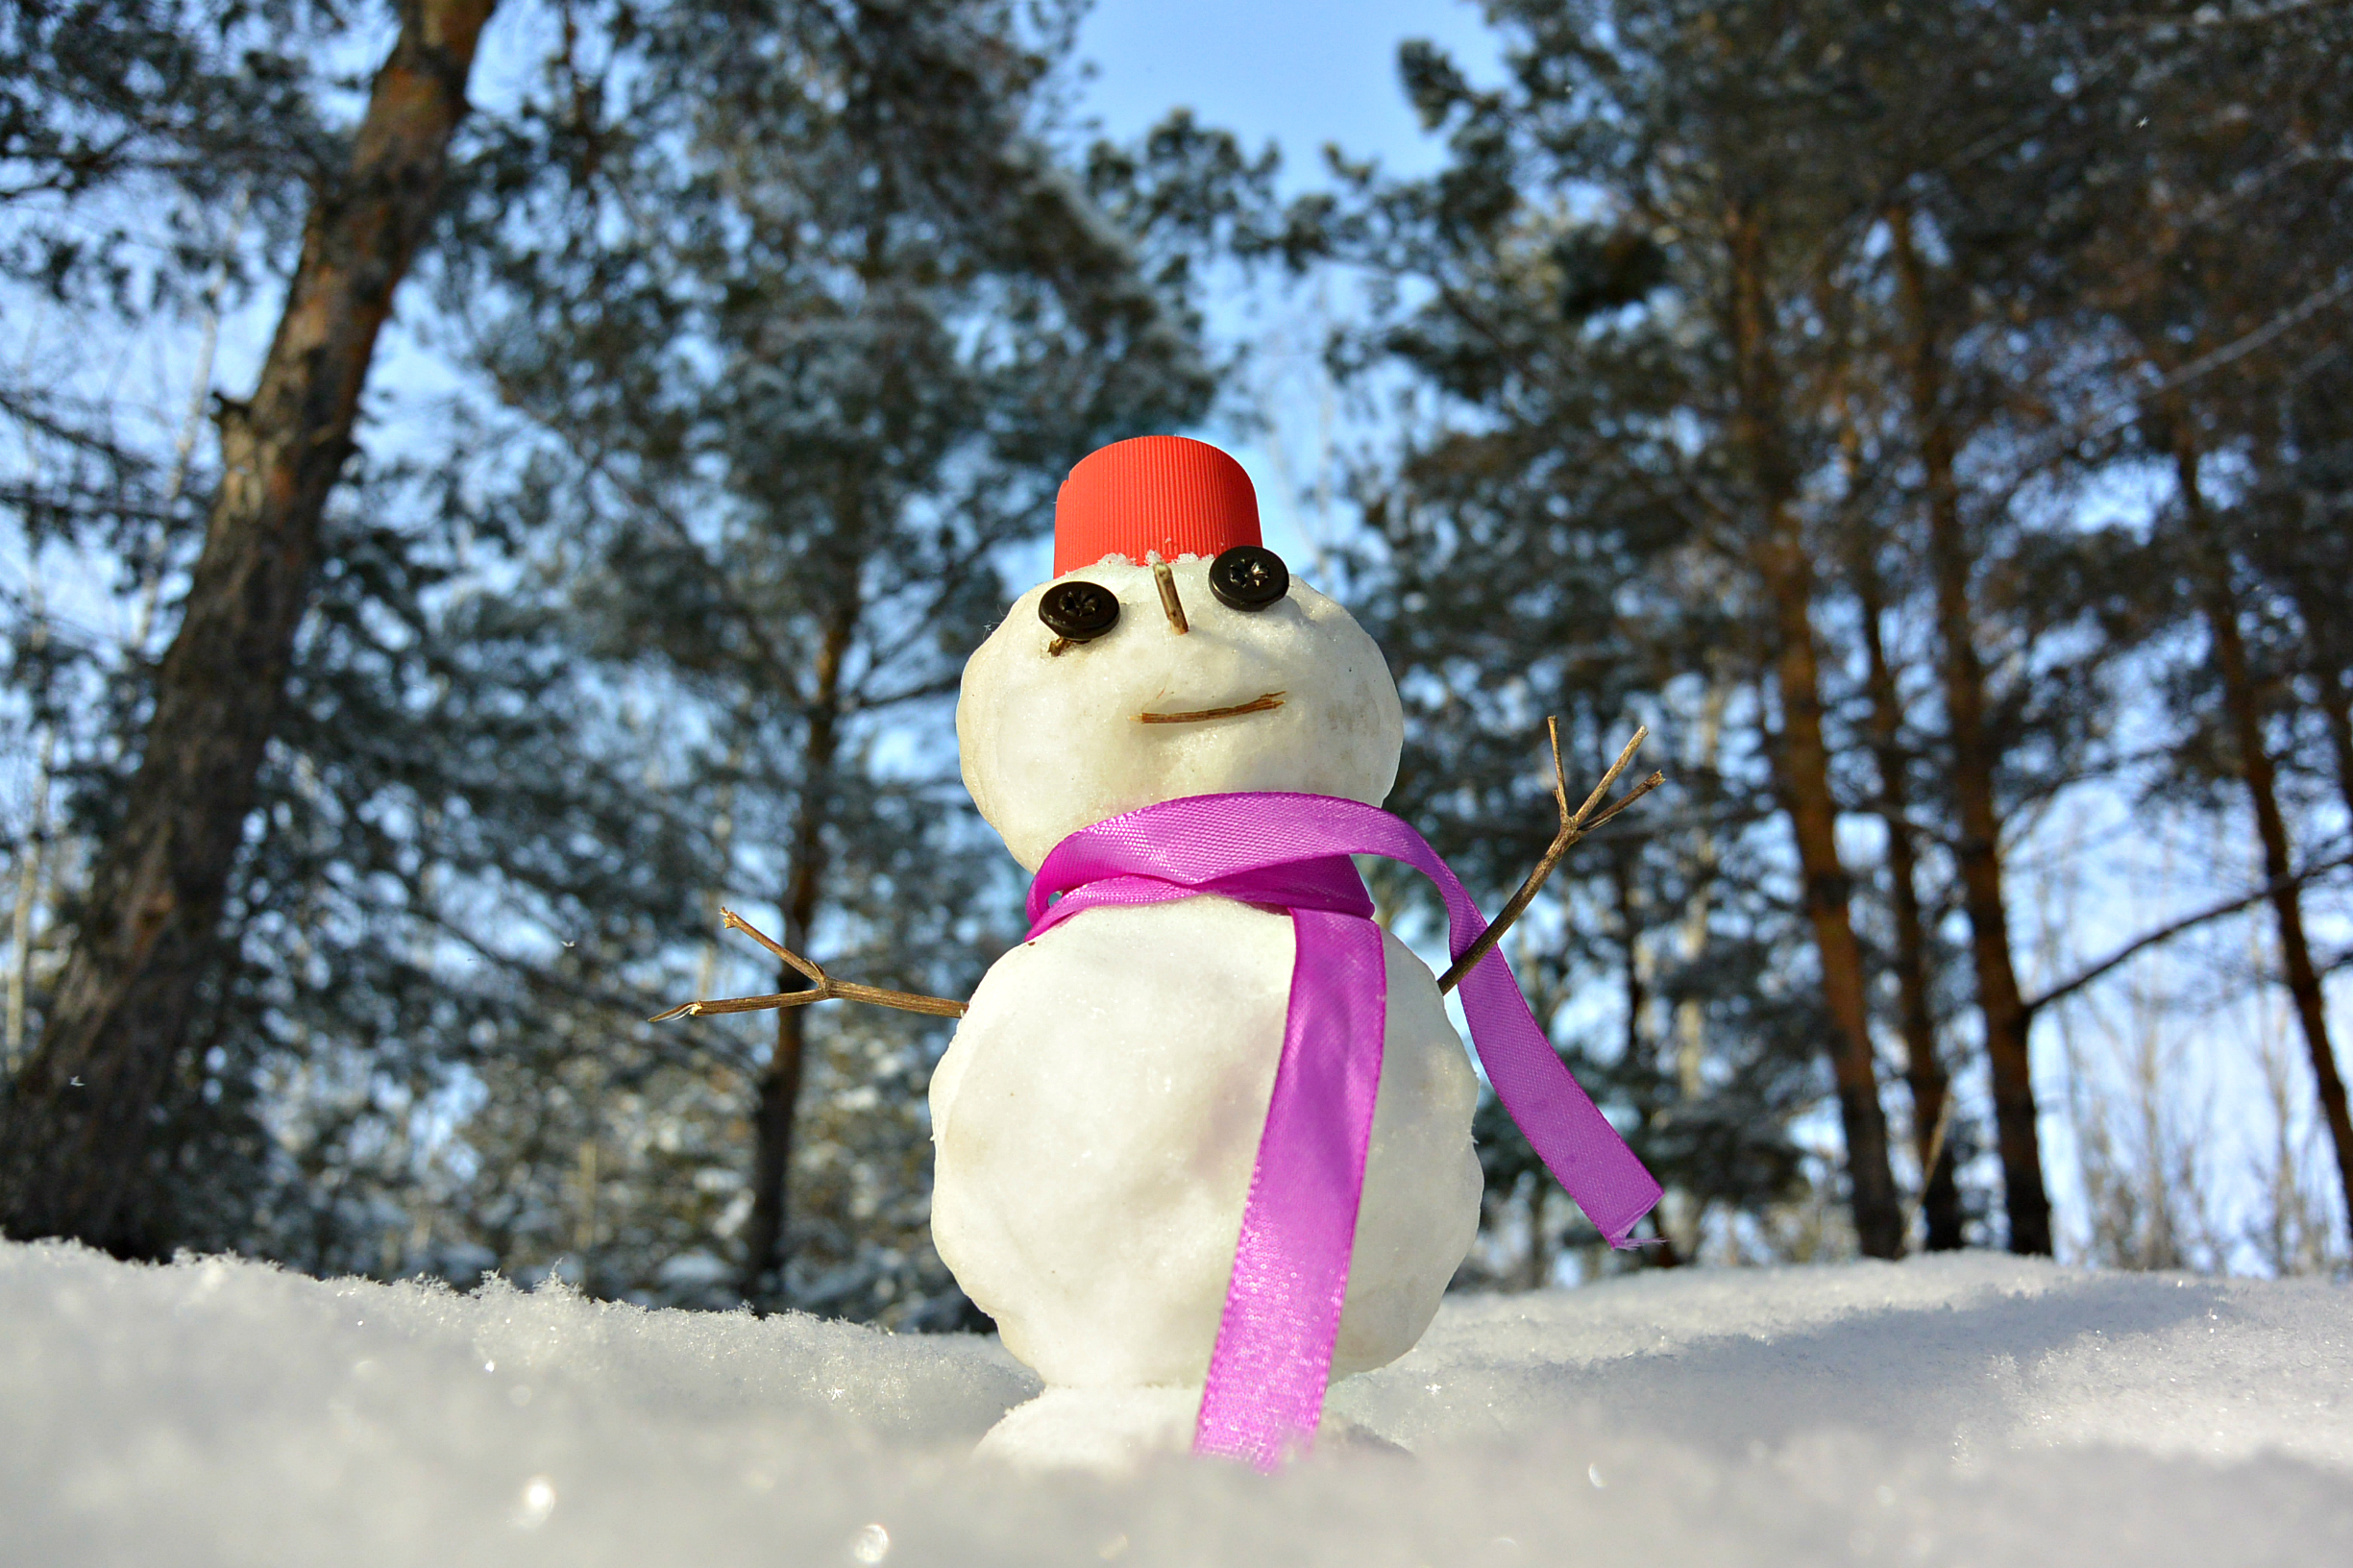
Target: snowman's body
point(1097, 1119)
point(1098, 1113)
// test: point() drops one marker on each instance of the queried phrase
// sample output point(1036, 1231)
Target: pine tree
point(1832, 289)
point(1611, 264)
point(2239, 230)
point(80, 1107)
point(798, 338)
point(768, 333)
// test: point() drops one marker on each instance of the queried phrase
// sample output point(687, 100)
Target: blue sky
point(1300, 72)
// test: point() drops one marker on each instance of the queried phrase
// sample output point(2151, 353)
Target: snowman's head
point(1171, 655)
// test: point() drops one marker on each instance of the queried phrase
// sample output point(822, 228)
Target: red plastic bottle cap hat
point(1157, 493)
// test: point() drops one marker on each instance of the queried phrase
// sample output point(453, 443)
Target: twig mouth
point(1256, 705)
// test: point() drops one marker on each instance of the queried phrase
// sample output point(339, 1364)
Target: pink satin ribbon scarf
point(1273, 1357)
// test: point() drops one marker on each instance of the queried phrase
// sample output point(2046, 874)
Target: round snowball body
point(1052, 741)
point(1097, 1117)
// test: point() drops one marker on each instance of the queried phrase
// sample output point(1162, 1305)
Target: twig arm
point(730, 921)
point(906, 1001)
point(1574, 825)
point(740, 1004)
point(823, 988)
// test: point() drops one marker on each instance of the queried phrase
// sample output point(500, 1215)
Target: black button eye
point(1081, 611)
point(1249, 578)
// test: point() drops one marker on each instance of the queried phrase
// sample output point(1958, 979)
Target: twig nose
point(1168, 601)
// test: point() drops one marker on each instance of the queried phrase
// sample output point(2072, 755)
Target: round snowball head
point(1141, 674)
point(1057, 732)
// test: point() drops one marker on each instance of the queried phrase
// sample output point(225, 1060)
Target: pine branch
point(2174, 928)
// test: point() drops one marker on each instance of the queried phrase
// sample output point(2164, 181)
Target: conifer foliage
point(762, 332)
point(1759, 366)
point(81, 1106)
point(800, 324)
point(383, 727)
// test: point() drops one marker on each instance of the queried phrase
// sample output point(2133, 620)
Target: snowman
point(1203, 1141)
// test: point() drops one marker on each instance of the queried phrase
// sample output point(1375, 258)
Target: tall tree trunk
point(29, 870)
point(765, 1239)
point(1924, 1068)
point(1627, 889)
point(1801, 757)
point(76, 1131)
point(1978, 852)
point(2240, 701)
point(1690, 1014)
point(1629, 932)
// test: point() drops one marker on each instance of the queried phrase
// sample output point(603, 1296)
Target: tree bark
point(1924, 1066)
point(76, 1133)
point(766, 1241)
point(2240, 701)
point(1979, 851)
point(1629, 933)
point(1801, 757)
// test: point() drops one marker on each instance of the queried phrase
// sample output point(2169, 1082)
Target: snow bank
point(1971, 1410)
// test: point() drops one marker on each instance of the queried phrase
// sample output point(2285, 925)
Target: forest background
point(483, 485)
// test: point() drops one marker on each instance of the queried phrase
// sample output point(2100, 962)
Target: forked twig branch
point(823, 988)
point(1574, 825)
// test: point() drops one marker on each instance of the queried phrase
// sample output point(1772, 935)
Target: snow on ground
point(1971, 1410)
